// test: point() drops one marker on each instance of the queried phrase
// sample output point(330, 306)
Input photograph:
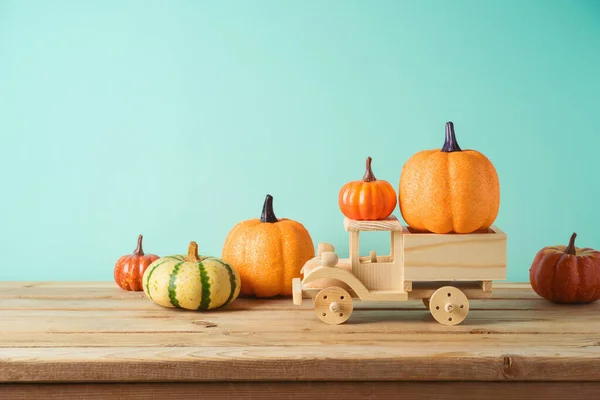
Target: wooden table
point(67, 340)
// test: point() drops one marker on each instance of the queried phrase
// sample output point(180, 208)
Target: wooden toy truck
point(444, 270)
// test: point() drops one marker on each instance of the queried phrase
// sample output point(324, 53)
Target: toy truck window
point(376, 247)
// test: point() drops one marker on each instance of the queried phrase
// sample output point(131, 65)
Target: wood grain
point(424, 290)
point(379, 276)
point(307, 391)
point(96, 332)
point(391, 223)
point(473, 257)
point(275, 363)
point(355, 284)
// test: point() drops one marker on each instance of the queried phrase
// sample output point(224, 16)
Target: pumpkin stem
point(571, 247)
point(193, 252)
point(369, 177)
point(138, 250)
point(267, 213)
point(450, 144)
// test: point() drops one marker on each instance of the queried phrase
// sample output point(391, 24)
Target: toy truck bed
point(477, 256)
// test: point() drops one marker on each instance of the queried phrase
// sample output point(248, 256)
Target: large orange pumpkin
point(129, 269)
point(566, 274)
point(449, 189)
point(268, 253)
point(367, 199)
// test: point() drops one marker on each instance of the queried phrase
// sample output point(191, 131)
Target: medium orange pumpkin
point(130, 269)
point(367, 199)
point(449, 189)
point(566, 274)
point(268, 253)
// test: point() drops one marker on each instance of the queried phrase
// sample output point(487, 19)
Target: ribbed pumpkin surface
point(177, 281)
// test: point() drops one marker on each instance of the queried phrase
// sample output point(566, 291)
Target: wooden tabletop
point(95, 333)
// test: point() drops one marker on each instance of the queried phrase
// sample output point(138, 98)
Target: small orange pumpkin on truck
point(368, 198)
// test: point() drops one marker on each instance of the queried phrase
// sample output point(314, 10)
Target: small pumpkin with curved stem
point(367, 199)
point(566, 274)
point(130, 268)
point(449, 189)
point(268, 252)
point(191, 281)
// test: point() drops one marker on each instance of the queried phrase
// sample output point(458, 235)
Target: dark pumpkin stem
point(450, 144)
point(193, 252)
point(369, 177)
point(267, 213)
point(138, 250)
point(571, 247)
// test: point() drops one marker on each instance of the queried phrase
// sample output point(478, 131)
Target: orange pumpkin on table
point(449, 189)
point(130, 269)
point(268, 253)
point(566, 274)
point(367, 199)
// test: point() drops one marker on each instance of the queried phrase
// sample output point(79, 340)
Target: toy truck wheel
point(333, 305)
point(449, 305)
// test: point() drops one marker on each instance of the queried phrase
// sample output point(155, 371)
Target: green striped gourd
point(192, 282)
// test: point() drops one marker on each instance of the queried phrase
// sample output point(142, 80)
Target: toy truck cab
point(373, 277)
point(378, 273)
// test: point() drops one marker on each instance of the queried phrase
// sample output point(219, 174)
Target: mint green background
point(175, 118)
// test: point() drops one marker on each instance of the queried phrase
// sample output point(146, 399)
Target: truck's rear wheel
point(449, 305)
